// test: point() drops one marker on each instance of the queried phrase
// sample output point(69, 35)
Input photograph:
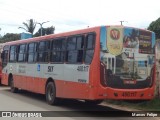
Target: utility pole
point(122, 22)
point(41, 25)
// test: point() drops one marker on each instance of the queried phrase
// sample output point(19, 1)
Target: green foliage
point(29, 26)
point(9, 37)
point(45, 31)
point(150, 105)
point(155, 27)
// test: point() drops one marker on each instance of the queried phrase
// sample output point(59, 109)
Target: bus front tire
point(51, 94)
point(13, 89)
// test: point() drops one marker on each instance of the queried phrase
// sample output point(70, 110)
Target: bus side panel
point(30, 83)
point(4, 79)
point(64, 89)
point(74, 90)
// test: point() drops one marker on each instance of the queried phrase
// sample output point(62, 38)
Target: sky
point(68, 15)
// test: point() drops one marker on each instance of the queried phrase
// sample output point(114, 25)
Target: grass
point(152, 105)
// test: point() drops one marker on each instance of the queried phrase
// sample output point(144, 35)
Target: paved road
point(26, 101)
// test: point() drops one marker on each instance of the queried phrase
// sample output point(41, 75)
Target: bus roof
point(89, 29)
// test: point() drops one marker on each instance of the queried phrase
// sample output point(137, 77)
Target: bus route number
point(83, 68)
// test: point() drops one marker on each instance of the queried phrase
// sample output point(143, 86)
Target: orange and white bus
point(92, 64)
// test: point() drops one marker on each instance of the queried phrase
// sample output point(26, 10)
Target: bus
point(92, 64)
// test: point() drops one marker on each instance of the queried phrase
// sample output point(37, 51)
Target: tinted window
point(90, 41)
point(22, 54)
point(43, 51)
point(80, 43)
point(71, 43)
point(32, 54)
point(13, 54)
point(89, 50)
point(58, 50)
point(75, 49)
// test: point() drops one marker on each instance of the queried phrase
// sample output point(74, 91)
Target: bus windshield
point(128, 58)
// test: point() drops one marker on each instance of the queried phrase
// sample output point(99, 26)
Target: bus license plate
point(129, 94)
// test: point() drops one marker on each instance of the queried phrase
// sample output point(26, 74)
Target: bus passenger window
point(90, 43)
point(58, 49)
point(32, 55)
point(13, 54)
point(22, 53)
point(4, 54)
point(80, 48)
point(75, 49)
point(43, 51)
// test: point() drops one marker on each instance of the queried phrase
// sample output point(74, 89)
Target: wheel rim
point(50, 93)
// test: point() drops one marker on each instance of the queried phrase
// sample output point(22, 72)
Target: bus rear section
point(127, 63)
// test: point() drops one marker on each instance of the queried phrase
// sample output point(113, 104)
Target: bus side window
point(32, 52)
point(71, 54)
point(58, 50)
point(22, 53)
point(75, 49)
point(43, 51)
point(13, 53)
point(80, 49)
point(4, 54)
point(89, 47)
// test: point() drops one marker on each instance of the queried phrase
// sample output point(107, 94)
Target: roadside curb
point(119, 107)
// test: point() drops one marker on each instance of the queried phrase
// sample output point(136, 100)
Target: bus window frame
point(24, 53)
point(48, 50)
point(83, 39)
point(93, 46)
point(15, 53)
point(62, 50)
point(27, 52)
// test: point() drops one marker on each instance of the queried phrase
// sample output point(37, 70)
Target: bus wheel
point(13, 89)
point(51, 94)
point(93, 102)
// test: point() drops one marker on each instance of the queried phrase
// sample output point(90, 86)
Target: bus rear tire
point(93, 102)
point(51, 94)
point(13, 89)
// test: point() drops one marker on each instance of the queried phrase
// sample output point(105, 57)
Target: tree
point(9, 37)
point(29, 26)
point(155, 27)
point(45, 31)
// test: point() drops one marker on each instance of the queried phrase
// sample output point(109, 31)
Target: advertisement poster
point(131, 38)
point(115, 40)
point(145, 42)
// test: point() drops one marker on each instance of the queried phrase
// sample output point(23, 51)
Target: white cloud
point(74, 14)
